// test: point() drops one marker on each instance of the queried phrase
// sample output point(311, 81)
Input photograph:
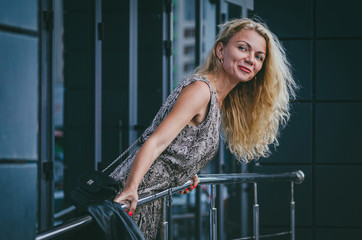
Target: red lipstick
point(245, 69)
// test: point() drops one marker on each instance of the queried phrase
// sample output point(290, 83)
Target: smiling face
point(243, 56)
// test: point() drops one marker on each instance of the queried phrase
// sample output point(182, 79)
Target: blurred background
point(81, 79)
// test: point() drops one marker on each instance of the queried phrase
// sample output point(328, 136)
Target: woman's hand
point(129, 197)
point(194, 181)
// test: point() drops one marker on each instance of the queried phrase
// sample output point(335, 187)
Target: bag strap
point(122, 154)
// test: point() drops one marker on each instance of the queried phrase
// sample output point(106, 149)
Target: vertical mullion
point(46, 125)
point(167, 63)
point(133, 74)
point(167, 38)
point(221, 155)
point(97, 84)
point(314, 118)
point(167, 35)
point(218, 15)
point(198, 49)
point(198, 32)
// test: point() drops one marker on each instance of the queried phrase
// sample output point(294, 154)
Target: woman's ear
point(220, 51)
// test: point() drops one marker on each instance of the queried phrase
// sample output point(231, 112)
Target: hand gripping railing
point(213, 179)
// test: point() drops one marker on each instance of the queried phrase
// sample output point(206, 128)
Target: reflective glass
point(19, 13)
point(183, 39)
point(208, 28)
point(18, 97)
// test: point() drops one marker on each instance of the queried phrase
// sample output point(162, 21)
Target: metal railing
point(213, 179)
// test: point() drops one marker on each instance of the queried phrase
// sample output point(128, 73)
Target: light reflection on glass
point(183, 39)
point(58, 98)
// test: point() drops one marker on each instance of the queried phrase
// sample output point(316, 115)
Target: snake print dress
point(191, 150)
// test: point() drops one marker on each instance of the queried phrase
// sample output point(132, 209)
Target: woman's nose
point(250, 59)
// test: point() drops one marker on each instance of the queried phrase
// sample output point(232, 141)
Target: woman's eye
point(260, 58)
point(242, 48)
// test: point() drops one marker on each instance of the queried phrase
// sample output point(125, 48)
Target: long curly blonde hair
point(253, 111)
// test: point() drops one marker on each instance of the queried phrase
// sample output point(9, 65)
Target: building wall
point(18, 118)
point(323, 41)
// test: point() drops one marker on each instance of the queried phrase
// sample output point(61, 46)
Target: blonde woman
point(244, 86)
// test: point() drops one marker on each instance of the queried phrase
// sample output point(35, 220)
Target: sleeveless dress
point(191, 150)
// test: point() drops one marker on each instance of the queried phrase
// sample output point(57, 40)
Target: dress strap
point(122, 154)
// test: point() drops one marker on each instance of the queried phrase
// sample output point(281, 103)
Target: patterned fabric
point(191, 150)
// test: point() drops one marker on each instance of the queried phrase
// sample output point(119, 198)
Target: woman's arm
point(192, 103)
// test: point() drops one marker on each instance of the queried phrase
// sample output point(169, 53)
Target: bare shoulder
point(201, 85)
point(198, 90)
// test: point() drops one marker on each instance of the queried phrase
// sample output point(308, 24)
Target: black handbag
point(93, 187)
point(96, 186)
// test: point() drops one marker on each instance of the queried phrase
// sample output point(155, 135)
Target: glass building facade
point(80, 80)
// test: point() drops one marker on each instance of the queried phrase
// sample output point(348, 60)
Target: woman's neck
point(222, 86)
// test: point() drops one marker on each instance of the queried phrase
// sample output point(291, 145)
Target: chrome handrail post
point(256, 212)
point(164, 223)
point(167, 202)
point(292, 211)
point(213, 214)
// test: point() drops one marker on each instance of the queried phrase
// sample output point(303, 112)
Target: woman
point(244, 85)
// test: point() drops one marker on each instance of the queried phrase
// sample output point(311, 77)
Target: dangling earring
point(221, 60)
point(255, 78)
